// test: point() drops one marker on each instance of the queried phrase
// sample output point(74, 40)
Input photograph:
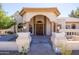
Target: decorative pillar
point(27, 27)
point(62, 25)
point(56, 27)
point(52, 27)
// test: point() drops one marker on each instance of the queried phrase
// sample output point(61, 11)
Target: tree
point(75, 13)
point(0, 6)
point(5, 21)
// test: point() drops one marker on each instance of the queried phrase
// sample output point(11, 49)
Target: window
point(67, 26)
point(39, 21)
point(73, 26)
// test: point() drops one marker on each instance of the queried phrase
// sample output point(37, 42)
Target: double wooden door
point(39, 29)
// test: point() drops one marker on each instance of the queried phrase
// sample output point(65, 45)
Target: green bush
point(5, 21)
point(64, 50)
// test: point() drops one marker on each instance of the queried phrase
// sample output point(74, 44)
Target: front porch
point(41, 45)
point(40, 25)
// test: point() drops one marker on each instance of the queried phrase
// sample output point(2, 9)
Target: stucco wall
point(27, 17)
point(70, 24)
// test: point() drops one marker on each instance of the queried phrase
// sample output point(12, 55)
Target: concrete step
point(40, 39)
point(41, 46)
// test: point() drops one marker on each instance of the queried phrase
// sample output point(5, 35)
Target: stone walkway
point(41, 46)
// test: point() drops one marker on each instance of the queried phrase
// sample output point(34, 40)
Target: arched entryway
point(41, 25)
point(39, 28)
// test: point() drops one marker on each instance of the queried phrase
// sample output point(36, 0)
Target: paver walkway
point(41, 46)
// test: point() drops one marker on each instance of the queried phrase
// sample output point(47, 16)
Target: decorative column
point(27, 27)
point(53, 27)
point(63, 25)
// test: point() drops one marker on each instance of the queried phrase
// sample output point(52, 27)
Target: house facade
point(44, 21)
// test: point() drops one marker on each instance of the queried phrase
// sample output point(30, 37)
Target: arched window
point(67, 26)
point(39, 22)
point(73, 26)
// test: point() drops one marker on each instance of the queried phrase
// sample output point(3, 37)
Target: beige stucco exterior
point(26, 16)
point(29, 10)
point(50, 13)
point(53, 22)
point(71, 23)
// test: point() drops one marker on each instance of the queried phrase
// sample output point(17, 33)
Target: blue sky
point(64, 8)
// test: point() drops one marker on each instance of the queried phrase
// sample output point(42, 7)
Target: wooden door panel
point(39, 29)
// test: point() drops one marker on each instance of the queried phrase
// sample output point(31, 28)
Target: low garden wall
point(62, 43)
point(22, 42)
